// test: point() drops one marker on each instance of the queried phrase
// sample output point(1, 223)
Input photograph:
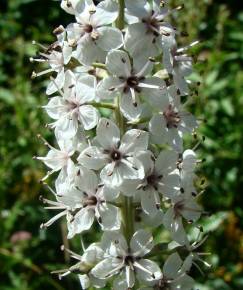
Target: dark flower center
point(172, 118)
point(132, 81)
point(163, 285)
point(152, 24)
point(88, 28)
point(129, 259)
point(153, 179)
point(91, 200)
point(115, 155)
point(71, 105)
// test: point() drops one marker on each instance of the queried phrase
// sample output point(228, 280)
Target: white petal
point(88, 52)
point(109, 38)
point(84, 281)
point(158, 98)
point(149, 199)
point(139, 43)
point(172, 265)
point(181, 83)
point(141, 243)
point(189, 161)
point(152, 271)
point(108, 134)
point(134, 140)
point(175, 226)
point(192, 210)
point(53, 107)
point(129, 187)
point(87, 181)
point(67, 126)
point(157, 126)
point(168, 60)
point(170, 185)
point(59, 82)
point(154, 221)
point(147, 159)
point(110, 217)
point(110, 193)
point(106, 87)
point(166, 161)
point(103, 269)
point(88, 116)
point(184, 282)
point(85, 88)
point(189, 122)
point(106, 12)
point(92, 158)
point(124, 280)
point(128, 109)
point(112, 176)
point(137, 8)
point(83, 221)
point(118, 63)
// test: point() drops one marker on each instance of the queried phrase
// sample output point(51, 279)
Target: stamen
point(59, 90)
point(143, 69)
point(149, 86)
point(137, 265)
point(53, 219)
point(133, 97)
point(182, 49)
point(73, 254)
point(39, 44)
point(35, 75)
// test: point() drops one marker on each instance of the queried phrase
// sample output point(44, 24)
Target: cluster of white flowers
point(117, 78)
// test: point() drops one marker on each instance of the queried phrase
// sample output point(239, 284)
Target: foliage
point(26, 264)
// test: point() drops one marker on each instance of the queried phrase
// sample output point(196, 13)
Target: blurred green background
point(27, 255)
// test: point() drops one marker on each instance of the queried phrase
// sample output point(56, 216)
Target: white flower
point(70, 5)
point(116, 157)
point(131, 81)
point(144, 38)
point(187, 166)
point(194, 256)
point(172, 121)
point(174, 276)
point(82, 203)
point(72, 108)
point(183, 206)
point(161, 176)
point(91, 34)
point(179, 65)
point(128, 261)
point(57, 56)
point(91, 256)
point(59, 159)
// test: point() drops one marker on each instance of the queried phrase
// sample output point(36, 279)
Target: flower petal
point(118, 63)
point(110, 217)
point(92, 158)
point(109, 38)
point(108, 134)
point(82, 221)
point(88, 116)
point(134, 140)
point(104, 269)
point(141, 243)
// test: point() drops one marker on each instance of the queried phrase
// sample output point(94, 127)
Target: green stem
point(99, 65)
point(127, 207)
point(127, 202)
point(103, 105)
point(139, 121)
point(120, 20)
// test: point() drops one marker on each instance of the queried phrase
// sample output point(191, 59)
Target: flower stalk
point(129, 172)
